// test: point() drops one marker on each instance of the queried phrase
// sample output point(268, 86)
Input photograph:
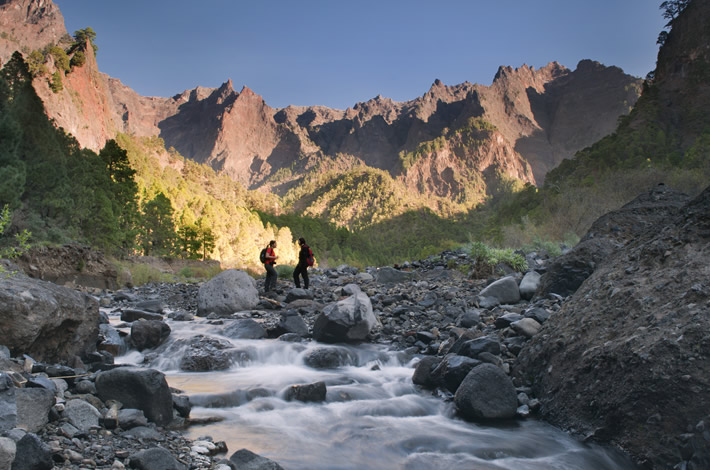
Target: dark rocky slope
point(626, 358)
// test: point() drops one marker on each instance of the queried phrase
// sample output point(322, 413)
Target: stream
point(374, 417)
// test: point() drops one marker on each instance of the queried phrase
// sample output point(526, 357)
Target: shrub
point(486, 259)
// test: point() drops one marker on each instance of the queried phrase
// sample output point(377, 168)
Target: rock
point(244, 459)
point(8, 403)
point(148, 334)
point(298, 294)
point(474, 347)
point(529, 285)
point(245, 328)
point(314, 392)
point(129, 418)
point(228, 292)
point(538, 314)
point(32, 454)
point(469, 318)
point(206, 354)
point(423, 371)
point(8, 448)
point(364, 278)
point(46, 321)
point(182, 404)
point(144, 389)
point(504, 291)
point(81, 414)
point(132, 314)
point(633, 336)
point(33, 405)
point(328, 358)
point(155, 306)
point(486, 393)
point(156, 458)
point(504, 321)
point(451, 371)
point(111, 341)
point(526, 327)
point(350, 319)
point(387, 275)
point(292, 322)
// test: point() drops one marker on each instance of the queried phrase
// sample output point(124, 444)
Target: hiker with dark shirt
point(303, 263)
point(271, 275)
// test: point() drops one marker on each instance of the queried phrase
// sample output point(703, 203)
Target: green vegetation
point(82, 37)
point(487, 259)
point(56, 82)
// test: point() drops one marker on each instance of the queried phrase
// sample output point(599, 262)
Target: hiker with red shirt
point(303, 263)
point(271, 275)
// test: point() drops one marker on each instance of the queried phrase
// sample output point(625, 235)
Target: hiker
point(269, 262)
point(305, 259)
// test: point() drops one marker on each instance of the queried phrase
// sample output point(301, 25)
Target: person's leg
point(296, 280)
point(271, 277)
point(305, 277)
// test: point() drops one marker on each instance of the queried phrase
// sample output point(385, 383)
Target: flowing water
point(373, 417)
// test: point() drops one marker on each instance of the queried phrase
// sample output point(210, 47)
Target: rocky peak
point(29, 24)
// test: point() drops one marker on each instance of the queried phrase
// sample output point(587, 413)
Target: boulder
point(529, 284)
point(350, 319)
point(387, 275)
point(156, 458)
point(451, 371)
point(134, 314)
point(144, 389)
point(314, 392)
point(206, 354)
point(298, 294)
point(81, 414)
point(244, 459)
point(486, 393)
point(228, 292)
point(423, 371)
point(526, 327)
point(504, 291)
point(474, 347)
point(244, 328)
point(329, 358)
point(292, 322)
point(33, 405)
point(46, 321)
point(147, 334)
point(32, 454)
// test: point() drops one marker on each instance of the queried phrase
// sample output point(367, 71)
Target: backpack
point(262, 256)
point(310, 259)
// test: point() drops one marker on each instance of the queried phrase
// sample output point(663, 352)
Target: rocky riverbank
point(620, 360)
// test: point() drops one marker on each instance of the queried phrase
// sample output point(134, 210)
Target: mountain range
point(453, 143)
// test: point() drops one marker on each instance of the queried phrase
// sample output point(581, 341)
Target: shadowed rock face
point(635, 339)
point(540, 117)
point(46, 321)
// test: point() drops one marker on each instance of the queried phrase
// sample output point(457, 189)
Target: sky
point(337, 53)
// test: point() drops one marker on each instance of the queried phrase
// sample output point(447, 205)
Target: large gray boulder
point(46, 321)
point(350, 319)
point(486, 393)
point(143, 389)
point(228, 292)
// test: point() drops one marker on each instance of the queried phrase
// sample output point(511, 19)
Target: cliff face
point(539, 116)
point(30, 24)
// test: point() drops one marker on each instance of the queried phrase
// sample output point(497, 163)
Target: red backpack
point(310, 259)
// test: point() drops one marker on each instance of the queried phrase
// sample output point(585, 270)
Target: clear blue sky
point(339, 52)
